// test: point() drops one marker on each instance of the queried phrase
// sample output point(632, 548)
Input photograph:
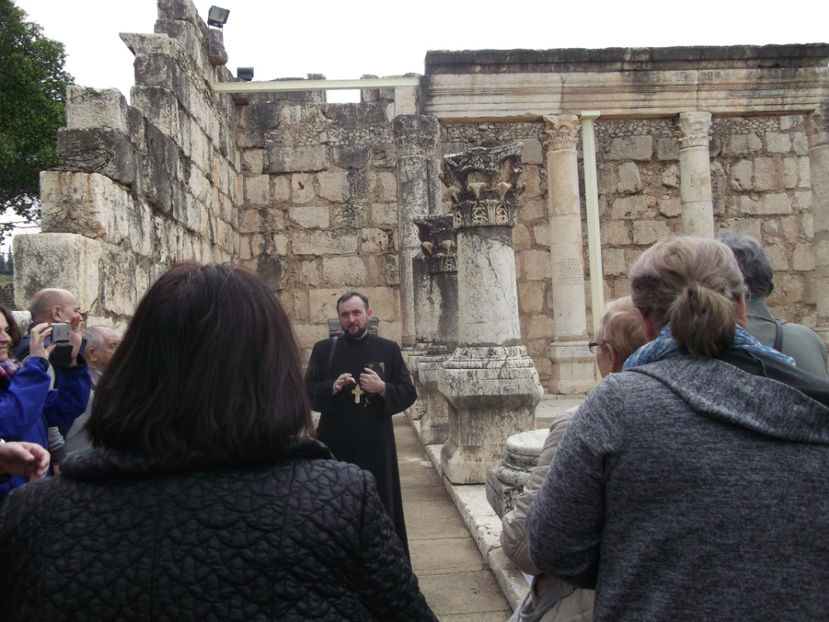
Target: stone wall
point(320, 208)
point(138, 187)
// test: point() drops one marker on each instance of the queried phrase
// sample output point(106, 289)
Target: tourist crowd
point(186, 483)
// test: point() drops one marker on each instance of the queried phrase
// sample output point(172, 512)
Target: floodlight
point(217, 16)
point(244, 73)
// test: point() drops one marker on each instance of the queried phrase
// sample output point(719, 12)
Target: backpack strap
point(778, 335)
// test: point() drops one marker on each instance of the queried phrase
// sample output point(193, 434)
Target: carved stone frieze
point(694, 127)
point(483, 185)
point(437, 240)
point(562, 131)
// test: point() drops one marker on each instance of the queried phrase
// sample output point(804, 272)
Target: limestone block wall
point(138, 187)
point(319, 213)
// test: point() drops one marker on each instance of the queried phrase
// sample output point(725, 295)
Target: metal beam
point(313, 85)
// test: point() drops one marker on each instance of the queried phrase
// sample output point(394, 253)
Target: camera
point(60, 333)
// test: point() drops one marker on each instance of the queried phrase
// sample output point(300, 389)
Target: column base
point(507, 480)
point(492, 393)
point(434, 425)
point(574, 368)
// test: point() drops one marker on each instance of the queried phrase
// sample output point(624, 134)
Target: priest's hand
point(343, 380)
point(370, 382)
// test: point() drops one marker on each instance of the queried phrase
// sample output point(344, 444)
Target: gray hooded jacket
point(689, 489)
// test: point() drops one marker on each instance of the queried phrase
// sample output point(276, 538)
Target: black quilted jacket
point(126, 538)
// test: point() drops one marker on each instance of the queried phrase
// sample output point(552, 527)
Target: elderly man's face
point(99, 357)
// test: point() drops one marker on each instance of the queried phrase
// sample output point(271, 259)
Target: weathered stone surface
point(88, 108)
point(310, 216)
point(325, 242)
point(297, 159)
point(97, 150)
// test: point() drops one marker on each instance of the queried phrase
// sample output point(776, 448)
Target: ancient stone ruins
point(487, 208)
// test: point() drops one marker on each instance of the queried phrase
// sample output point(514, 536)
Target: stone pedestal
point(507, 480)
point(492, 394)
point(817, 127)
point(572, 362)
point(695, 174)
point(434, 425)
point(489, 382)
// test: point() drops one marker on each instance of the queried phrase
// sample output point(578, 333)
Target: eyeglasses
point(592, 345)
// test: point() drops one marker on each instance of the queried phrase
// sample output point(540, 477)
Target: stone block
point(778, 143)
point(670, 207)
point(646, 232)
point(325, 242)
point(803, 259)
point(349, 216)
point(532, 209)
point(633, 208)
point(257, 190)
point(630, 181)
point(521, 239)
point(87, 204)
point(742, 145)
point(302, 188)
point(333, 185)
point(383, 214)
point(670, 176)
point(250, 221)
point(63, 260)
point(531, 296)
point(613, 261)
point(606, 179)
point(531, 178)
point(615, 233)
point(540, 327)
point(532, 152)
point(97, 150)
point(280, 189)
point(542, 234)
point(742, 175)
point(768, 204)
point(297, 159)
point(310, 216)
point(346, 272)
point(800, 144)
point(768, 174)
point(535, 265)
point(88, 108)
point(253, 161)
point(667, 149)
point(159, 105)
point(387, 184)
point(352, 156)
point(803, 199)
point(779, 257)
point(630, 148)
point(376, 241)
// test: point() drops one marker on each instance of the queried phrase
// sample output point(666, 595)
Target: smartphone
point(62, 354)
point(60, 333)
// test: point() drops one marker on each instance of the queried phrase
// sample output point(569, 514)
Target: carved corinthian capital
point(694, 127)
point(562, 131)
point(483, 185)
point(437, 239)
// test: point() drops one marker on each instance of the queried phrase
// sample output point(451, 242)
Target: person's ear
point(369, 313)
point(91, 355)
point(54, 314)
point(742, 313)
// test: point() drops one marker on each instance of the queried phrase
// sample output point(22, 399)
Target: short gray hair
point(753, 261)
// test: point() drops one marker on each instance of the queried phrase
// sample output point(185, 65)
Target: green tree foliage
point(32, 108)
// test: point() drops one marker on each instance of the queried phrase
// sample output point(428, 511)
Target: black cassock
point(358, 428)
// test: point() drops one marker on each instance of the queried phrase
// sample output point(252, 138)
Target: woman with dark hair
point(692, 485)
point(28, 404)
point(202, 500)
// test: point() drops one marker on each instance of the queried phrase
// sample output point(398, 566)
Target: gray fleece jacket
point(688, 489)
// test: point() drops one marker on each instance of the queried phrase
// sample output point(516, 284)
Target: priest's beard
point(356, 336)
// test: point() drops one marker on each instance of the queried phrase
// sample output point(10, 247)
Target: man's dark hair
point(350, 295)
point(209, 363)
point(753, 261)
point(14, 328)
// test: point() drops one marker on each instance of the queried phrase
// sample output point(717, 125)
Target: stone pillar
point(695, 174)
point(817, 128)
point(440, 325)
point(573, 364)
point(489, 381)
point(415, 139)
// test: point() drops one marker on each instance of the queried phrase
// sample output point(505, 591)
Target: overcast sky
point(346, 40)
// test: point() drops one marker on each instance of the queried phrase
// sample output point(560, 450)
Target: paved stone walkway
point(453, 576)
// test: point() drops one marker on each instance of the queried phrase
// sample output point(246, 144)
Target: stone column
point(695, 174)
point(440, 325)
point(415, 139)
point(489, 381)
point(817, 128)
point(573, 363)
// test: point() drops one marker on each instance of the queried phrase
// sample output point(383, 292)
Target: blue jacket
point(28, 406)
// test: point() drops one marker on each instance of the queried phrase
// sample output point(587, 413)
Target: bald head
point(54, 305)
point(101, 343)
